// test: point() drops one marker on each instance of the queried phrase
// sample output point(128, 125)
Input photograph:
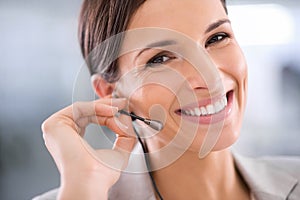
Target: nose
point(200, 71)
point(196, 81)
point(207, 79)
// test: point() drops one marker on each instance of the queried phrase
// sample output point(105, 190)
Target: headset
point(156, 125)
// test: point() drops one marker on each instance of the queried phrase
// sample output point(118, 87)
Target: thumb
point(116, 158)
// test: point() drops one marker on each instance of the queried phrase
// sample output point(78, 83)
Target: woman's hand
point(87, 173)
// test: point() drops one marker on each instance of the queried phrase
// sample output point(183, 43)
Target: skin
point(226, 55)
point(213, 177)
point(231, 64)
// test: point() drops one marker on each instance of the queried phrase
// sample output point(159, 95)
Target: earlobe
point(101, 87)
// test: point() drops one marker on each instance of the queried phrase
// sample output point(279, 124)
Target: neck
point(213, 177)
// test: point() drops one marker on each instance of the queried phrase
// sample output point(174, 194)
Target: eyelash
point(154, 60)
point(216, 38)
point(211, 41)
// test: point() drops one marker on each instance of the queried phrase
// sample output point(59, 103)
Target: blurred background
point(40, 60)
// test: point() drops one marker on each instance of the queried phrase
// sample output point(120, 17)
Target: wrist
point(76, 192)
point(91, 187)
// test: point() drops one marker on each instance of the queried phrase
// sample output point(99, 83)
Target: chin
point(227, 139)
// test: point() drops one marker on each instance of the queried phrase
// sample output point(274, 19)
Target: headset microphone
point(155, 124)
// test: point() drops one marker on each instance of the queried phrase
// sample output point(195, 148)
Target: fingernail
point(121, 99)
point(117, 114)
point(115, 110)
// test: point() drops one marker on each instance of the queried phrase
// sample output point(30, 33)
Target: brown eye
point(158, 59)
point(216, 38)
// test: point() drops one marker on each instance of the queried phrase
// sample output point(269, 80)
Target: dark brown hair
point(99, 20)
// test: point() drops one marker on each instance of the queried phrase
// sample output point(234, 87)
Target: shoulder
point(290, 164)
point(286, 164)
point(272, 177)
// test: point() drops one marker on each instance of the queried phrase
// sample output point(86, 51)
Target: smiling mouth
point(211, 108)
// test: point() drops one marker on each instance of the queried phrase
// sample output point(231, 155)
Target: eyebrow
point(162, 43)
point(216, 25)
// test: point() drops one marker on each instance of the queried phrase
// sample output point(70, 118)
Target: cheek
point(155, 102)
point(240, 74)
point(239, 68)
point(231, 61)
point(233, 65)
point(147, 97)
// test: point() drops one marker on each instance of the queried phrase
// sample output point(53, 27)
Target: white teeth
point(224, 100)
point(218, 106)
point(203, 111)
point(197, 112)
point(192, 113)
point(209, 109)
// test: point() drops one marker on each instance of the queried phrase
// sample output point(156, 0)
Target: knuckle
point(46, 126)
point(49, 125)
point(77, 104)
point(46, 130)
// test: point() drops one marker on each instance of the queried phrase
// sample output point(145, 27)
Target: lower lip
point(215, 118)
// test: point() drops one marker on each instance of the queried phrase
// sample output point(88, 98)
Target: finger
point(123, 128)
point(118, 102)
point(83, 109)
point(101, 107)
point(126, 138)
point(82, 119)
point(121, 103)
point(80, 114)
point(125, 144)
point(85, 113)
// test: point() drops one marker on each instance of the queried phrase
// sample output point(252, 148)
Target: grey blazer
point(273, 178)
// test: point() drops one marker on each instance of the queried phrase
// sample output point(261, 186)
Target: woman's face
point(206, 23)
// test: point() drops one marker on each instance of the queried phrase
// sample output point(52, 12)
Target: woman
point(204, 108)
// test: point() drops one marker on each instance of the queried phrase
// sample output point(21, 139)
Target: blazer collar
point(265, 180)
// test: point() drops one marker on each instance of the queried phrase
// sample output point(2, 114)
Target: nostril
point(200, 88)
point(196, 82)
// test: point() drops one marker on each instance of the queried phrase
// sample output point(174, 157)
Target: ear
point(101, 87)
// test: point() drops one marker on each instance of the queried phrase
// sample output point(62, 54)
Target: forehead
point(190, 17)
